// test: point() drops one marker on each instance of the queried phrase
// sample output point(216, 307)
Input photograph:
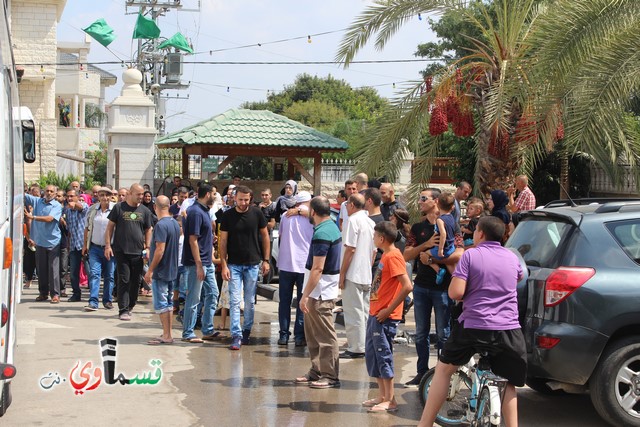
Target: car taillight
point(5, 315)
point(563, 282)
point(547, 342)
point(7, 371)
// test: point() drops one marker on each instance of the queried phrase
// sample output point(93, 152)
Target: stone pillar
point(131, 133)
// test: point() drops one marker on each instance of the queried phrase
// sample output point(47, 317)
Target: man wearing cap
point(241, 254)
point(94, 243)
point(294, 238)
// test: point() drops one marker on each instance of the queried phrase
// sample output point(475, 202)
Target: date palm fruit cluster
point(455, 110)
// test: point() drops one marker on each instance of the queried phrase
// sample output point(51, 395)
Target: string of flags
point(145, 28)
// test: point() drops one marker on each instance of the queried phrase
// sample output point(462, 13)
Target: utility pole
point(161, 69)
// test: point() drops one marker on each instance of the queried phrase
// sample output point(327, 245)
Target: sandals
point(381, 408)
point(305, 380)
point(159, 341)
point(194, 340)
point(371, 402)
point(216, 336)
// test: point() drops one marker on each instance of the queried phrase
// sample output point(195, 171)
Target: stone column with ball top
point(131, 134)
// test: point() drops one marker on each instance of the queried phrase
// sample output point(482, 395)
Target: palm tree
point(518, 84)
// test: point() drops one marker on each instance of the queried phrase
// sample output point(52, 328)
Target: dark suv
point(580, 305)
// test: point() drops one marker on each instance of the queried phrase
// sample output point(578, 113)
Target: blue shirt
point(75, 225)
point(166, 231)
point(198, 223)
point(45, 234)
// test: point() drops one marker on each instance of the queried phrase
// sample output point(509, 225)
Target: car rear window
point(627, 234)
point(538, 239)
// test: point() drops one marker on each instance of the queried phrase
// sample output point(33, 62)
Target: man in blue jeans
point(197, 258)
point(163, 267)
point(94, 243)
point(75, 214)
point(241, 252)
point(294, 237)
point(427, 295)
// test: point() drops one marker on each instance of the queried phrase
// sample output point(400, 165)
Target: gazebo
point(240, 132)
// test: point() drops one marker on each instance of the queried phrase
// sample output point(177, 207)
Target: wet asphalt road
point(210, 385)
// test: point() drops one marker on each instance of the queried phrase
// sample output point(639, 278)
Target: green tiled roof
point(253, 128)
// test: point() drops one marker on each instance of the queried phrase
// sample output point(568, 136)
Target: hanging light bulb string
point(308, 37)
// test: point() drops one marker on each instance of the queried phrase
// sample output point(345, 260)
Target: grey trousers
point(322, 341)
point(48, 267)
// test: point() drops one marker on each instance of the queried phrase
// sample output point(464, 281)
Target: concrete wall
point(33, 31)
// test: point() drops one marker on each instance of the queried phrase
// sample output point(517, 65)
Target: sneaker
point(440, 276)
point(108, 305)
point(301, 343)
point(236, 343)
point(74, 298)
point(284, 340)
point(245, 337)
point(125, 317)
point(90, 308)
point(414, 382)
point(42, 298)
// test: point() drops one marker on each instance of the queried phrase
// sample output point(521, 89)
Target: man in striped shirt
point(322, 273)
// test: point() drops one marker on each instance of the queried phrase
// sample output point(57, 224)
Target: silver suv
point(580, 305)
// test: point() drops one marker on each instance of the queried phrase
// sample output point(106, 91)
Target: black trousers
point(128, 271)
point(48, 265)
point(28, 262)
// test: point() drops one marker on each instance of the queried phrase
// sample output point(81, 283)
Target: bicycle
point(475, 395)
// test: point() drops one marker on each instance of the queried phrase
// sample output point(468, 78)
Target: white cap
point(303, 196)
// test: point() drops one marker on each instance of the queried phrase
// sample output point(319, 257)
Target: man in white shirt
point(350, 187)
point(94, 235)
point(355, 275)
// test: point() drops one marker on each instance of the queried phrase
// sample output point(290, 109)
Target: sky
point(227, 24)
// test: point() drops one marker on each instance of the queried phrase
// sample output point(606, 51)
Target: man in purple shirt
point(485, 279)
point(295, 238)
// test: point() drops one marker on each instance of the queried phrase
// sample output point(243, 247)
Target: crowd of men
point(201, 247)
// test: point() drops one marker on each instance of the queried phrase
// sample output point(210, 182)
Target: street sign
point(210, 164)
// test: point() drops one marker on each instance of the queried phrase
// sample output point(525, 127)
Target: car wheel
point(615, 384)
point(5, 399)
point(540, 385)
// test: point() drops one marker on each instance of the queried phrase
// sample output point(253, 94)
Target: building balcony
point(77, 139)
point(81, 83)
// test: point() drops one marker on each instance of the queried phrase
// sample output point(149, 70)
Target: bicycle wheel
point(485, 416)
point(454, 410)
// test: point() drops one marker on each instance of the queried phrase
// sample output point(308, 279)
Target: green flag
point(145, 28)
point(178, 41)
point(101, 32)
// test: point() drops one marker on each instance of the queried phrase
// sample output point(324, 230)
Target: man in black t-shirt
point(241, 252)
point(130, 226)
point(427, 295)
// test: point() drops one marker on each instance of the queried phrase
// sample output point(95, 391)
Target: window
point(538, 239)
point(627, 234)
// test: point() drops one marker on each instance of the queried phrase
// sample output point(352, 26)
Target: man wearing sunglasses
point(427, 295)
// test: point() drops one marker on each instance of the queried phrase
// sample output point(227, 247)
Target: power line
point(376, 61)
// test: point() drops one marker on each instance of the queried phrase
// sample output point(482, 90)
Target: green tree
point(96, 166)
point(93, 116)
point(516, 107)
point(329, 105)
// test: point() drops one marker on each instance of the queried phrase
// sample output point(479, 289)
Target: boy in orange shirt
point(390, 286)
